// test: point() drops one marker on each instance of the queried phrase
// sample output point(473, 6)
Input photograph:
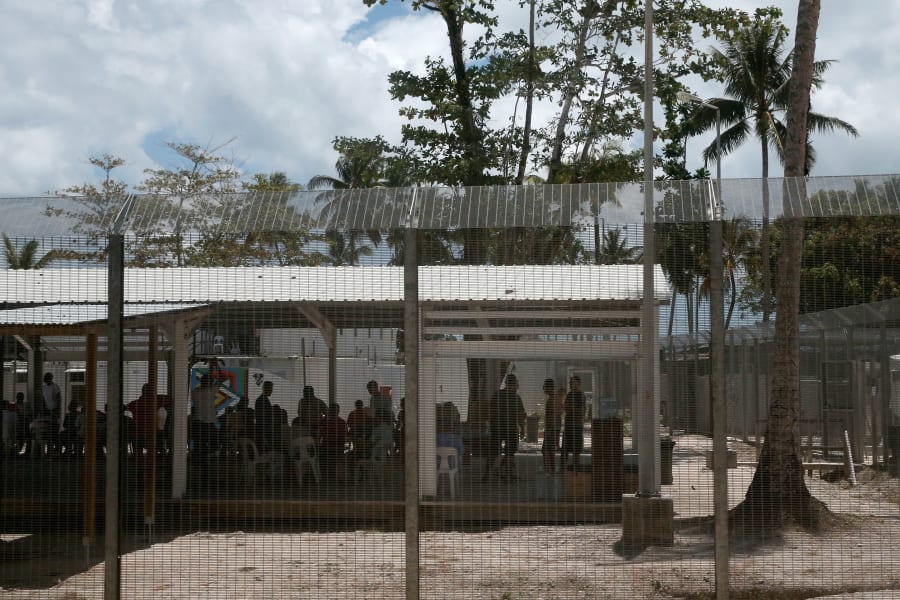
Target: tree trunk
point(529, 100)
point(778, 495)
point(471, 134)
point(570, 92)
point(764, 238)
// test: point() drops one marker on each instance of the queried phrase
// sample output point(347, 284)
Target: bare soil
point(860, 554)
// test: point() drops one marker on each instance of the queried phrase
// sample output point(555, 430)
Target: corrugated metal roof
point(71, 314)
point(332, 284)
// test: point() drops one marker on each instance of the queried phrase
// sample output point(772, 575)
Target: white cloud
point(284, 77)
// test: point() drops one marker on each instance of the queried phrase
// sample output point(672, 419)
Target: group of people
point(367, 433)
point(367, 429)
point(266, 424)
point(43, 424)
point(564, 414)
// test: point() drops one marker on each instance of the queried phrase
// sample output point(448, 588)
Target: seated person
point(43, 432)
point(238, 422)
point(68, 437)
point(381, 439)
point(332, 439)
point(448, 437)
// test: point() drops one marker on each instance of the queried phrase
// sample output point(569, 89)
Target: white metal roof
point(332, 284)
point(71, 314)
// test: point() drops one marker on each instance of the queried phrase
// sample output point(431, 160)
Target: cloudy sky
point(280, 78)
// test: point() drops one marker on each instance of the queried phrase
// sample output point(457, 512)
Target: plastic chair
point(448, 464)
point(378, 460)
point(303, 453)
point(252, 460)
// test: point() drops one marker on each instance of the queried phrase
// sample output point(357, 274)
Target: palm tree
point(739, 242)
point(778, 495)
point(615, 251)
point(344, 249)
point(756, 69)
point(26, 258)
point(362, 163)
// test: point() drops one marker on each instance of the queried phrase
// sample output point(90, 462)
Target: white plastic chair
point(378, 460)
point(303, 453)
point(448, 464)
point(252, 460)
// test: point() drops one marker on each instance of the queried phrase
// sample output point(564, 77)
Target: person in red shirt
point(333, 437)
point(360, 421)
point(144, 416)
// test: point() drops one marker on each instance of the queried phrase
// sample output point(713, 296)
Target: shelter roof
point(71, 314)
point(543, 283)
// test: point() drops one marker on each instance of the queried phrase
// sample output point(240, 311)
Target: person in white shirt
point(52, 397)
point(204, 415)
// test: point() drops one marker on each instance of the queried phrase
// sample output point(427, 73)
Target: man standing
point(507, 416)
point(268, 428)
point(360, 422)
point(310, 412)
point(205, 419)
point(52, 397)
point(379, 403)
point(573, 434)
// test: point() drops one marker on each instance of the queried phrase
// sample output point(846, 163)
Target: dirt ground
point(861, 555)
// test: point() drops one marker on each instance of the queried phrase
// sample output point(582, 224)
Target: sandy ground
point(859, 559)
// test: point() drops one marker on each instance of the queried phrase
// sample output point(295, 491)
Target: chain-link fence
point(432, 392)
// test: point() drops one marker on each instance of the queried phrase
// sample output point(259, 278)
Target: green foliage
point(184, 199)
point(181, 220)
point(755, 68)
point(614, 249)
point(847, 260)
point(94, 206)
point(26, 257)
point(366, 163)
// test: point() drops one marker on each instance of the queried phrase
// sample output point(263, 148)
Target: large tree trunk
point(778, 496)
point(470, 131)
point(764, 243)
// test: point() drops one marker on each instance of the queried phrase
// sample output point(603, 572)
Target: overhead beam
point(329, 332)
point(548, 314)
point(533, 350)
point(580, 331)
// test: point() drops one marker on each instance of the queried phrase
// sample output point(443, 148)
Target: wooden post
point(89, 475)
point(848, 460)
point(809, 443)
point(112, 588)
point(150, 461)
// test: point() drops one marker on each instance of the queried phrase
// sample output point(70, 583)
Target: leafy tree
point(95, 206)
point(596, 78)
point(846, 260)
point(278, 237)
point(183, 199)
point(277, 181)
point(455, 97)
point(777, 495)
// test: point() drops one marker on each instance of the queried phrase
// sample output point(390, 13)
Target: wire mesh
point(264, 441)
